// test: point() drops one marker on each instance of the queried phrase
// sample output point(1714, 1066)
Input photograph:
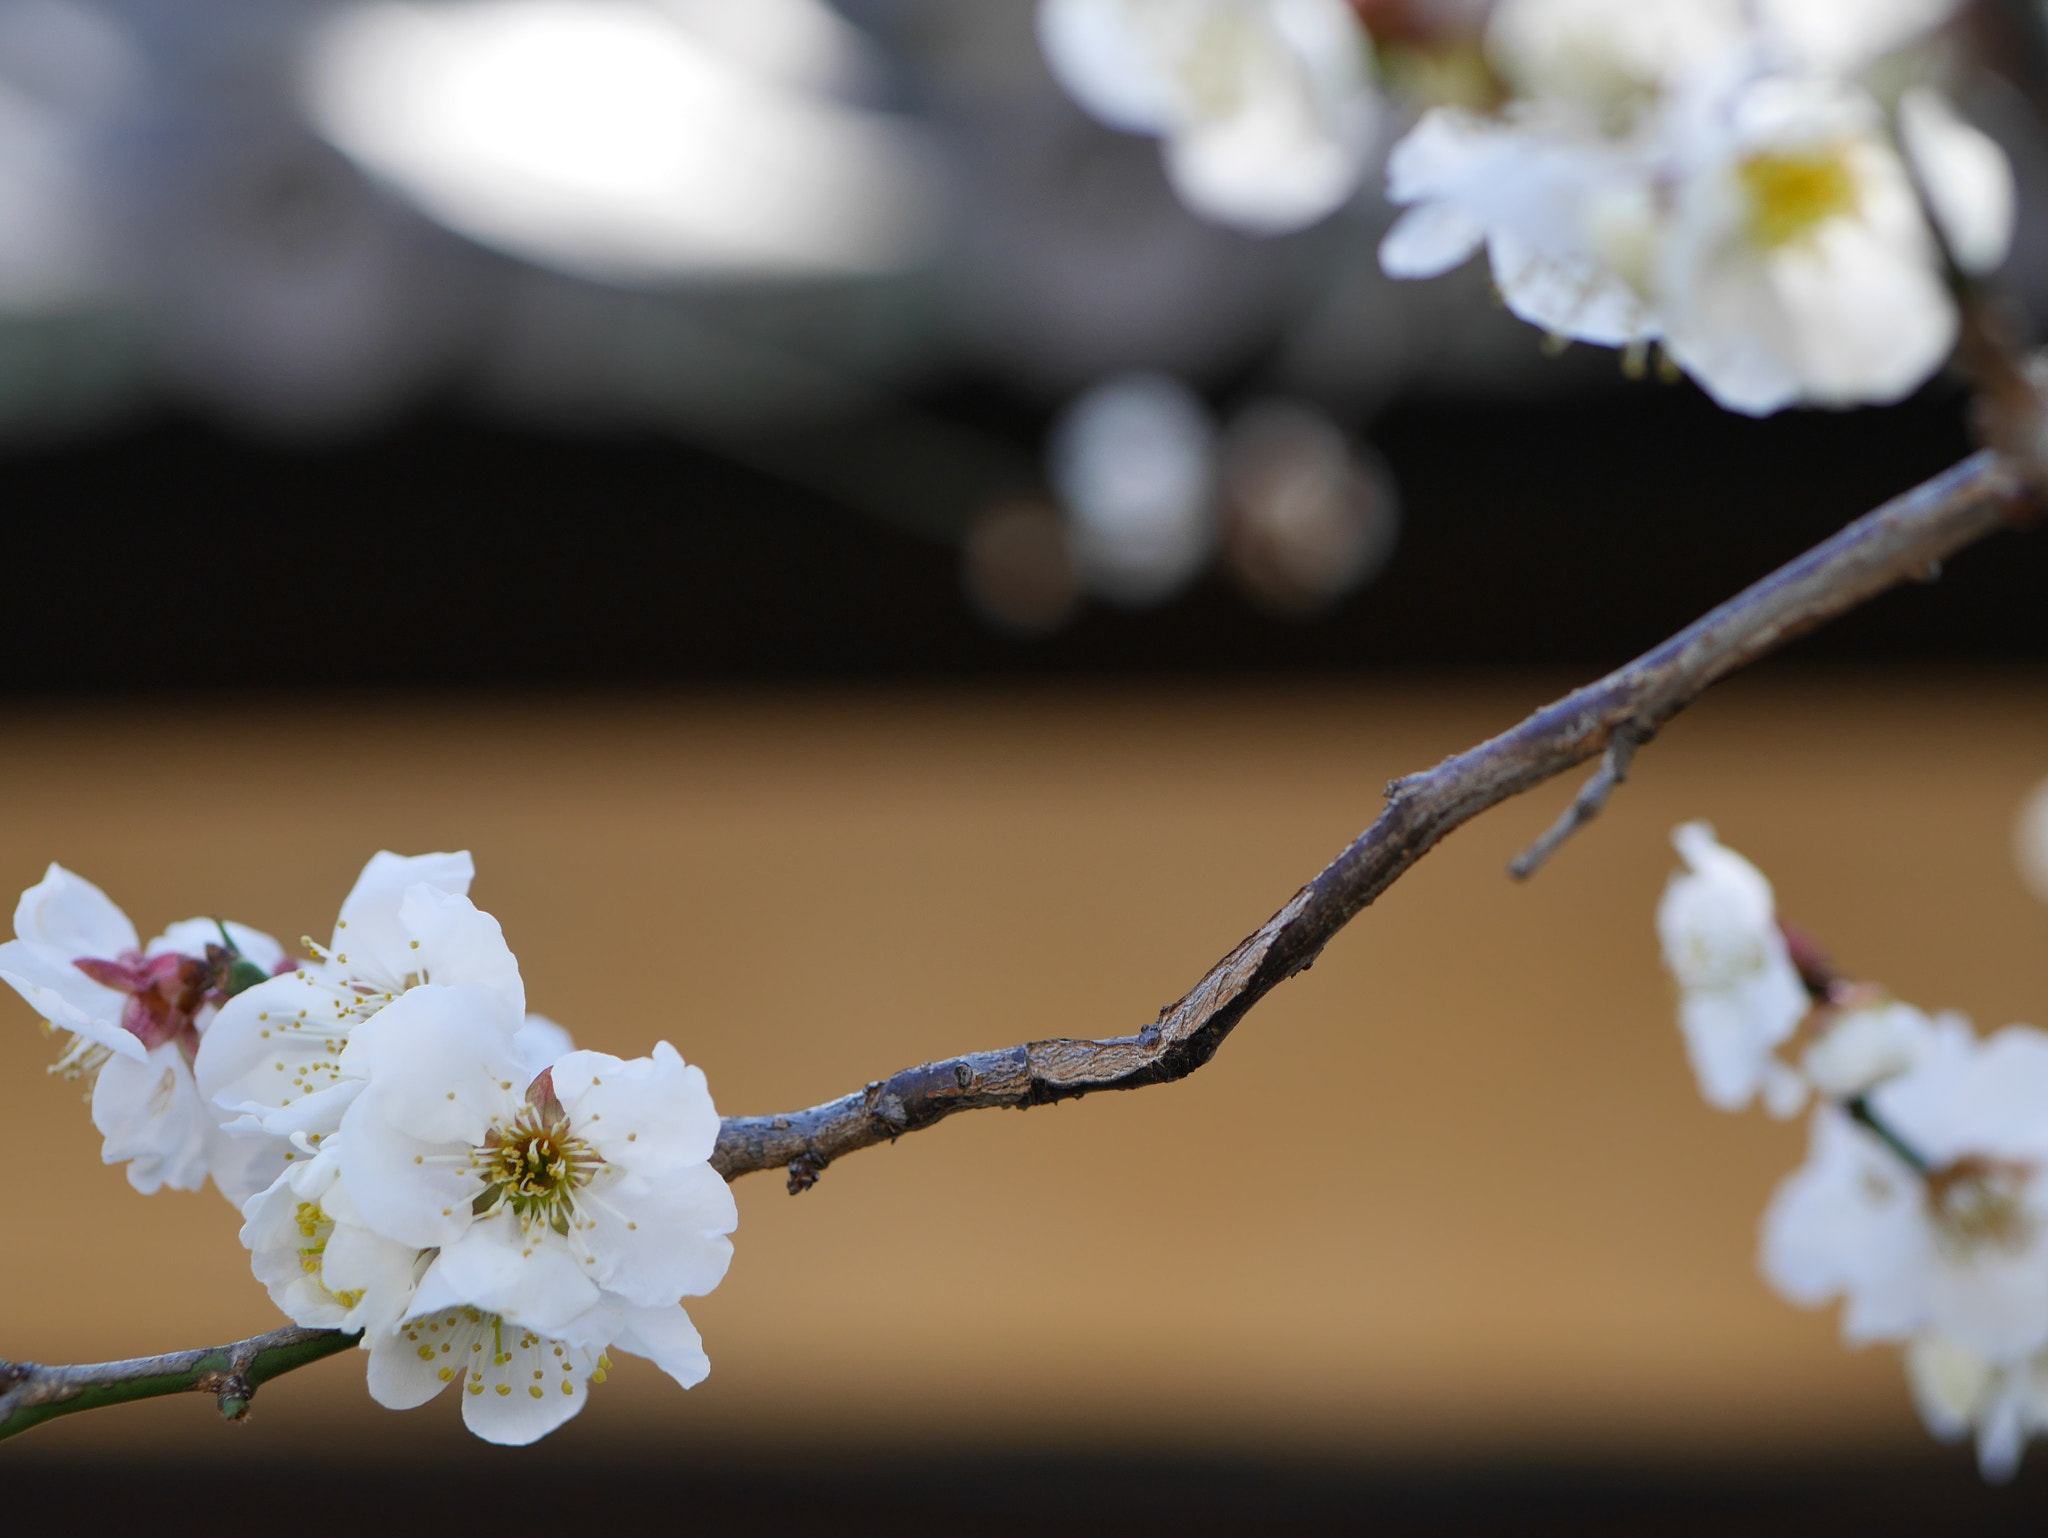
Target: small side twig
point(31, 1393)
point(1586, 805)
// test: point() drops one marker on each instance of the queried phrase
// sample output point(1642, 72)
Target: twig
point(31, 1394)
point(1897, 542)
point(1586, 805)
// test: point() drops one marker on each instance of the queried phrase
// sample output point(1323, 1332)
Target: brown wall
point(1450, 1193)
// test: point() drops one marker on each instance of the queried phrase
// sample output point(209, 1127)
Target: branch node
point(1586, 805)
point(804, 1171)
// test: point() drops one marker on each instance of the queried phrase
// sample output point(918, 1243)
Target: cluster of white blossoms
point(1719, 178)
point(1923, 1202)
point(414, 1156)
point(1265, 109)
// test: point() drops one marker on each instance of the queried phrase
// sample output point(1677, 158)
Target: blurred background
point(871, 576)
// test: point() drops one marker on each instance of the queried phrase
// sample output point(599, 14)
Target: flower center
point(1791, 196)
point(1977, 1204)
point(535, 1167)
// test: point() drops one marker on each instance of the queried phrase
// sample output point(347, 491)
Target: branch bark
point(1907, 538)
point(31, 1394)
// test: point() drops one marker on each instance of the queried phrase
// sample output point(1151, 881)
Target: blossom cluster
point(415, 1157)
point(1745, 184)
point(1923, 1201)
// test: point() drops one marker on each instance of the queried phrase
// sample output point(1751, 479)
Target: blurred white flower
point(1740, 996)
point(1309, 516)
point(1965, 177)
point(1266, 107)
point(136, 1016)
point(1960, 1392)
point(1796, 264)
point(1545, 198)
point(624, 140)
point(1864, 1046)
point(277, 1064)
point(1931, 1217)
point(1707, 174)
point(1133, 462)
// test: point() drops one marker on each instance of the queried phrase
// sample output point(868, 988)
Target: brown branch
point(31, 1393)
point(1905, 539)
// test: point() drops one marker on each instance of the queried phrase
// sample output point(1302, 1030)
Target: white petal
point(1949, 1382)
point(1429, 239)
point(412, 1190)
point(665, 1337)
point(242, 1165)
point(398, 1377)
point(523, 1399)
point(151, 1116)
point(655, 1242)
point(540, 1042)
point(1966, 178)
point(455, 943)
point(369, 922)
point(69, 915)
point(441, 1063)
point(1268, 173)
point(1100, 53)
point(383, 1270)
point(63, 995)
point(494, 1267)
point(274, 1054)
point(652, 1115)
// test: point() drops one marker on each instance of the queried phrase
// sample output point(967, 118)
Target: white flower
point(558, 1215)
point(321, 1265)
point(1739, 993)
point(1866, 1045)
point(1549, 200)
point(1796, 264)
point(1960, 1392)
point(137, 1015)
point(275, 1063)
point(1935, 1219)
point(1266, 106)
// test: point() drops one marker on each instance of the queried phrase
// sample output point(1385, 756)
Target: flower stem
point(1859, 1111)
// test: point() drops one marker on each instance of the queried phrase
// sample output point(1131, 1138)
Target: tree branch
point(31, 1394)
point(1907, 538)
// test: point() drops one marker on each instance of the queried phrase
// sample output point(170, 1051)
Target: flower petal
point(655, 1242)
point(492, 1267)
point(63, 995)
point(455, 942)
point(151, 1116)
point(369, 923)
point(652, 1115)
point(666, 1337)
point(71, 916)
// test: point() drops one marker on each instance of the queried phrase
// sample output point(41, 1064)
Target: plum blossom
point(277, 1062)
point(1740, 996)
point(1266, 107)
point(1962, 1393)
point(1923, 1203)
point(1794, 263)
point(136, 1015)
point(525, 1224)
point(1713, 177)
point(1872, 1041)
